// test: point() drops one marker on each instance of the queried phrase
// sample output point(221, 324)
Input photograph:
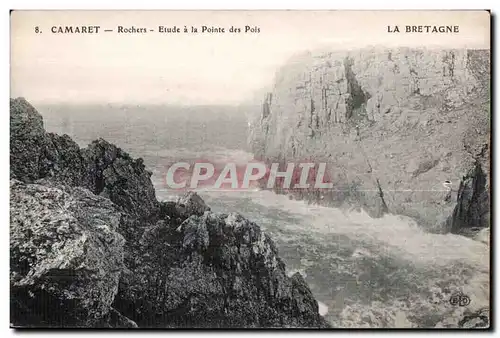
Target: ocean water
point(364, 272)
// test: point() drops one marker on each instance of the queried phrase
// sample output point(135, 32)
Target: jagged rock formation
point(66, 255)
point(113, 173)
point(478, 319)
point(394, 125)
point(213, 270)
point(472, 211)
point(102, 167)
point(92, 247)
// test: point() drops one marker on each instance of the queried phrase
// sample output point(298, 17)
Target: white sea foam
point(393, 275)
point(322, 309)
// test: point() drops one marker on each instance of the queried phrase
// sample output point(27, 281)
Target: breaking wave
point(366, 272)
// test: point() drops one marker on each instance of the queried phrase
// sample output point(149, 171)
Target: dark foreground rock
point(92, 247)
point(124, 180)
point(66, 256)
point(476, 320)
point(101, 167)
point(214, 270)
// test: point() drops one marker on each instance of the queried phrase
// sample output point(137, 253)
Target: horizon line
point(125, 103)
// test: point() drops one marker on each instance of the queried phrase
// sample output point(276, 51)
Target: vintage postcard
point(250, 169)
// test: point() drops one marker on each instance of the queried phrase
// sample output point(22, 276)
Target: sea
point(365, 272)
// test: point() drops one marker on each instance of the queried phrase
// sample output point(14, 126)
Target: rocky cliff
point(92, 247)
point(405, 131)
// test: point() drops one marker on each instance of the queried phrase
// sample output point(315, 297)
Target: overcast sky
point(203, 68)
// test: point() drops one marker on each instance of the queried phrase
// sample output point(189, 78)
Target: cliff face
point(393, 125)
point(92, 247)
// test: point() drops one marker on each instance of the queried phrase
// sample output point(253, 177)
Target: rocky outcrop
point(28, 141)
point(472, 211)
point(35, 154)
point(92, 247)
point(101, 167)
point(65, 161)
point(187, 205)
point(393, 125)
point(214, 270)
point(66, 256)
point(125, 181)
point(476, 320)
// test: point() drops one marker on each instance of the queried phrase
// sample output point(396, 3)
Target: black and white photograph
point(250, 169)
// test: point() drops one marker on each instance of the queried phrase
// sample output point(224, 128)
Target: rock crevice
point(404, 120)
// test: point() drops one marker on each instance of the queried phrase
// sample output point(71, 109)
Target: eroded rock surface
point(214, 270)
point(393, 125)
point(92, 247)
point(124, 180)
point(66, 255)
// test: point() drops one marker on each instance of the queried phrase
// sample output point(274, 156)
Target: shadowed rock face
point(102, 167)
point(27, 141)
point(92, 247)
point(66, 255)
point(393, 125)
point(477, 319)
point(214, 270)
point(124, 180)
point(472, 211)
